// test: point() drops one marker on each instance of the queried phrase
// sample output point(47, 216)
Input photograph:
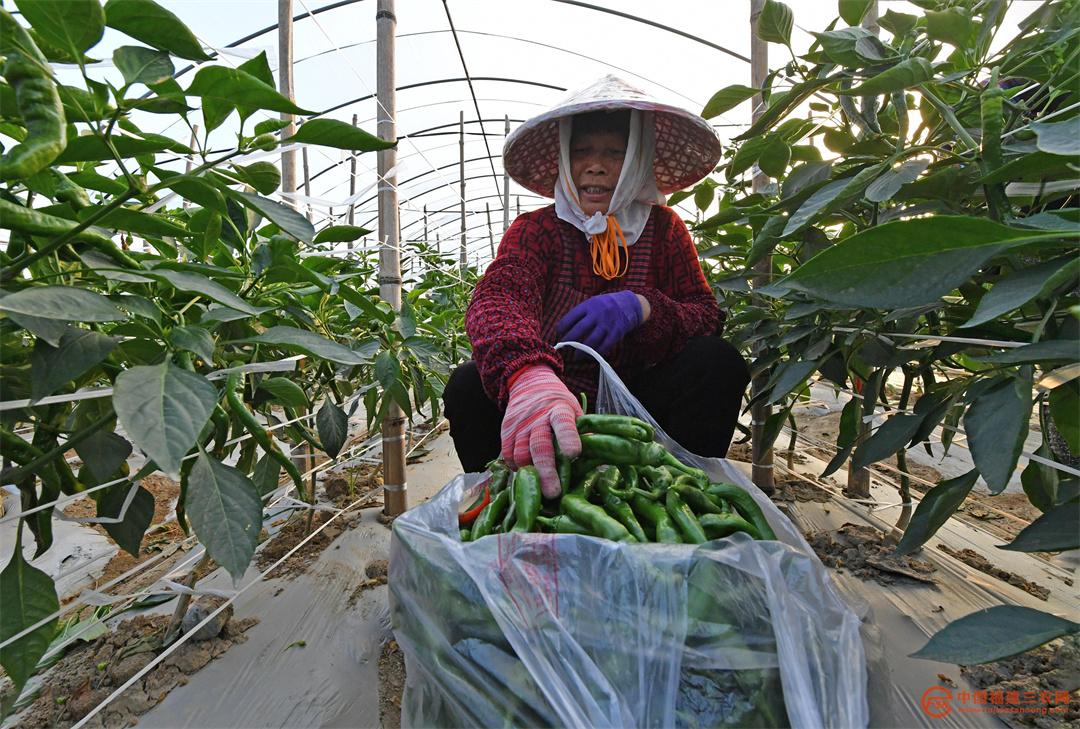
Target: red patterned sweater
point(543, 269)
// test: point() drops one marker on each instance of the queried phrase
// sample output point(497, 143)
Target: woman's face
point(596, 159)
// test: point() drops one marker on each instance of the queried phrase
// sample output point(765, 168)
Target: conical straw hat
point(687, 148)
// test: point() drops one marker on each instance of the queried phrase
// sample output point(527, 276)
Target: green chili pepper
point(746, 506)
point(699, 476)
point(588, 484)
point(625, 426)
point(561, 524)
point(582, 466)
point(34, 222)
point(694, 497)
point(67, 191)
point(565, 468)
point(507, 522)
point(594, 518)
point(259, 433)
point(40, 107)
point(684, 518)
point(718, 526)
point(608, 483)
point(656, 515)
point(659, 478)
point(500, 476)
point(622, 513)
point(491, 515)
point(527, 497)
point(621, 451)
point(465, 534)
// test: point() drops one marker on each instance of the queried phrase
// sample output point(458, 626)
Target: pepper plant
point(212, 317)
point(922, 184)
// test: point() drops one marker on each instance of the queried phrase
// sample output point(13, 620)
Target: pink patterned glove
point(539, 403)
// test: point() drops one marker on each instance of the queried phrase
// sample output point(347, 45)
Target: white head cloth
point(635, 192)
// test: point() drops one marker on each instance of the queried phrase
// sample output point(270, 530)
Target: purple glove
point(601, 321)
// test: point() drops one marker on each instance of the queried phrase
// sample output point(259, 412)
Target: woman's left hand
point(602, 321)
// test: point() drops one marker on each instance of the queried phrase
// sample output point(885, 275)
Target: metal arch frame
point(421, 84)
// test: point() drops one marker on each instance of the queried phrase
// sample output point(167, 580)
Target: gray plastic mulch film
point(562, 630)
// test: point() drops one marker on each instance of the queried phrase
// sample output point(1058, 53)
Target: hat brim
point(687, 147)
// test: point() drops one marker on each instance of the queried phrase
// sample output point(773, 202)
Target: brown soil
point(973, 559)
point(90, 672)
point(343, 486)
point(391, 685)
point(376, 573)
point(740, 452)
point(1052, 668)
point(294, 532)
point(791, 487)
point(867, 553)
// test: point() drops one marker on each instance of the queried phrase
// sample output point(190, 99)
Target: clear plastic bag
point(562, 630)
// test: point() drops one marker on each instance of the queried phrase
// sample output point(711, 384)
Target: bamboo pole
point(762, 469)
point(307, 183)
point(352, 184)
point(462, 259)
point(506, 181)
point(395, 499)
point(285, 86)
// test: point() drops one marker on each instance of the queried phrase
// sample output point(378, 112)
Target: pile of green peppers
point(625, 487)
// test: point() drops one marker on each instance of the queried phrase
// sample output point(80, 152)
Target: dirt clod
point(336, 486)
point(90, 672)
point(198, 611)
point(866, 552)
point(376, 572)
point(294, 532)
point(391, 685)
point(973, 559)
point(1046, 673)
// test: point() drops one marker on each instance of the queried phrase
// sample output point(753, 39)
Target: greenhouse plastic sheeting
point(564, 630)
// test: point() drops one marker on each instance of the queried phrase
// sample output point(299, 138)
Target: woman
point(607, 265)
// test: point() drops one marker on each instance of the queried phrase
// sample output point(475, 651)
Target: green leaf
point(1016, 289)
point(341, 234)
point(853, 47)
point(78, 352)
point(127, 533)
point(852, 11)
point(891, 437)
point(890, 182)
point(91, 148)
point(266, 475)
point(333, 426)
point(387, 369)
point(790, 375)
point(239, 88)
point(994, 633)
point(1065, 412)
point(780, 104)
point(727, 99)
point(268, 126)
point(134, 221)
point(774, 23)
point(195, 189)
point(897, 23)
point(282, 216)
point(774, 157)
point(264, 177)
point(65, 303)
point(194, 339)
point(904, 75)
point(1057, 530)
point(335, 133)
point(952, 26)
point(104, 453)
point(71, 25)
point(1062, 138)
point(703, 196)
point(1041, 483)
point(143, 65)
point(1054, 350)
point(996, 425)
point(312, 344)
point(196, 283)
point(163, 408)
point(152, 24)
point(829, 198)
point(934, 510)
point(27, 596)
point(902, 263)
point(225, 511)
point(285, 391)
point(49, 330)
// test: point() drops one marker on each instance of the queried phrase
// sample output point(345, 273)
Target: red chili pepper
point(468, 517)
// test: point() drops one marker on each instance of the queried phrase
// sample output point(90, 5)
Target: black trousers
point(695, 397)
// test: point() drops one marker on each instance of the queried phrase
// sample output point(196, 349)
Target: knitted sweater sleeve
point(503, 320)
point(683, 305)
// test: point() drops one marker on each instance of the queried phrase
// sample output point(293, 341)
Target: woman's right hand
point(540, 404)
